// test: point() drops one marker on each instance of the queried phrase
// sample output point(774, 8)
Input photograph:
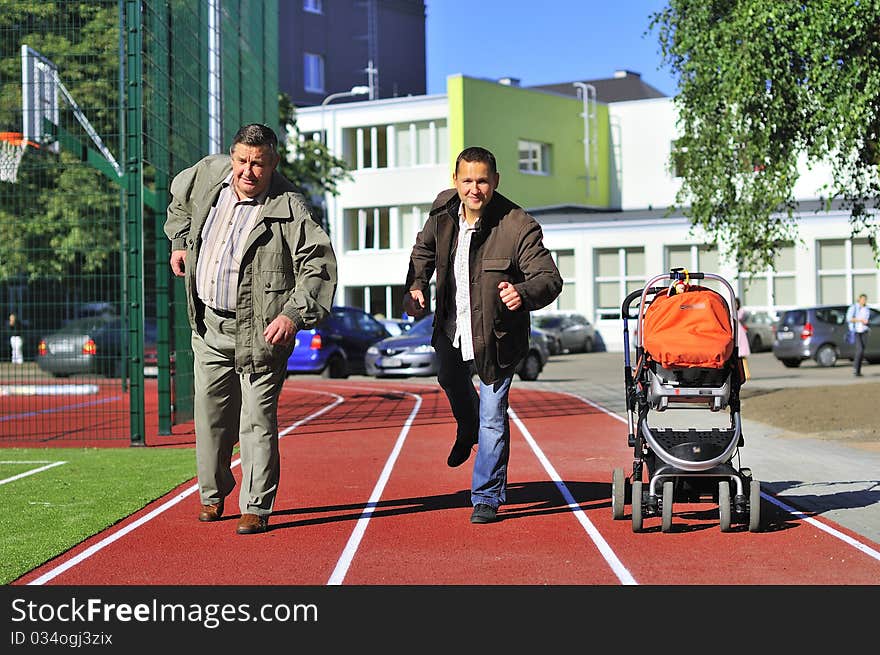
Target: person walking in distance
point(857, 317)
point(257, 268)
point(492, 269)
point(16, 342)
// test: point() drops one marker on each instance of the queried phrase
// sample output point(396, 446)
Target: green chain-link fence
point(104, 104)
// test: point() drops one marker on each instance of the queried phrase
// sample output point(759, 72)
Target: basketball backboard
point(39, 95)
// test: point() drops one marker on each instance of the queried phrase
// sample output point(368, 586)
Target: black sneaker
point(460, 452)
point(484, 514)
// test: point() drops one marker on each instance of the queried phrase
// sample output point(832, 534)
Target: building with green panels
point(538, 138)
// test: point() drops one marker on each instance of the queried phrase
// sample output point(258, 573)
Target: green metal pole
point(134, 210)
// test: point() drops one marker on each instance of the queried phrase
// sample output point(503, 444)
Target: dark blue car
point(336, 348)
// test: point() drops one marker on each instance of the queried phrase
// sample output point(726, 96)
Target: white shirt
point(458, 327)
point(863, 313)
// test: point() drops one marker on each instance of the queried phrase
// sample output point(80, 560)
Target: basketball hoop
point(12, 147)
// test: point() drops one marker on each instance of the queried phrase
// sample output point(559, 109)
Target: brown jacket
point(507, 246)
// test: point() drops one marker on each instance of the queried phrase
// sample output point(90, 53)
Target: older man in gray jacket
point(257, 268)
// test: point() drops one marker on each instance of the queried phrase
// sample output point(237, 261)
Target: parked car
point(396, 326)
point(554, 346)
point(336, 348)
point(819, 333)
point(761, 329)
point(412, 354)
point(573, 331)
point(90, 345)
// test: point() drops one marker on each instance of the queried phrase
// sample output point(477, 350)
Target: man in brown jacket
point(492, 270)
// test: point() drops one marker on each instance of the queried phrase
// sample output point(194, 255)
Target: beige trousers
point(230, 407)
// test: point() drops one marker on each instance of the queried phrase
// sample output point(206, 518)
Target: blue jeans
point(484, 414)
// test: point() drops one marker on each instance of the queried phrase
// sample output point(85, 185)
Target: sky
point(543, 42)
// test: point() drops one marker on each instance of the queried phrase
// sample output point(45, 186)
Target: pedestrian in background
point(492, 270)
point(857, 317)
point(16, 342)
point(258, 268)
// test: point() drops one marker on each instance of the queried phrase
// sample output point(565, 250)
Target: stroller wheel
point(724, 505)
point(754, 506)
point(637, 505)
point(618, 493)
point(666, 526)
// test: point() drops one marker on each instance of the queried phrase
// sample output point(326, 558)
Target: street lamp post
point(355, 91)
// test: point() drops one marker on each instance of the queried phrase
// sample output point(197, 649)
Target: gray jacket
point(288, 267)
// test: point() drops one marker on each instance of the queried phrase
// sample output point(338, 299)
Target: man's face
point(475, 184)
point(863, 300)
point(252, 168)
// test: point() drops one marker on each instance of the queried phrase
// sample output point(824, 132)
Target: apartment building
point(331, 46)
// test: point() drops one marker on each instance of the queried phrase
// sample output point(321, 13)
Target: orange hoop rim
point(16, 139)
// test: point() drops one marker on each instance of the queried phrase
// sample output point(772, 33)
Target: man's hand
point(178, 262)
point(279, 332)
point(414, 303)
point(510, 296)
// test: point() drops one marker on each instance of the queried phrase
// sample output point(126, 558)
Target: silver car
point(411, 354)
point(819, 333)
point(573, 332)
point(761, 329)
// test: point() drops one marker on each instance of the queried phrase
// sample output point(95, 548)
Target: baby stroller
point(686, 359)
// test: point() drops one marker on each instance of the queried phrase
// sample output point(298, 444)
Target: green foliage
point(764, 86)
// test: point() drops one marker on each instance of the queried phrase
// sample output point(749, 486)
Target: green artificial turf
point(44, 514)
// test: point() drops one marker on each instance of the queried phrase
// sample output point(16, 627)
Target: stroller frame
point(682, 463)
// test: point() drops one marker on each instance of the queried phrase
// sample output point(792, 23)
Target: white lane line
point(106, 541)
point(30, 472)
point(614, 562)
point(855, 543)
point(870, 552)
point(344, 562)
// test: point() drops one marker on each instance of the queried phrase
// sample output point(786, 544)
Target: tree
point(762, 87)
point(306, 162)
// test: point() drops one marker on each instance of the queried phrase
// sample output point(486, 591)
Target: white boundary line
point(344, 562)
point(614, 562)
point(31, 472)
point(106, 541)
point(855, 543)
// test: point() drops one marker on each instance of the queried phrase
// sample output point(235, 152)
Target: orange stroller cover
point(690, 329)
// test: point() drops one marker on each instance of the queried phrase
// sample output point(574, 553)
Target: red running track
point(366, 498)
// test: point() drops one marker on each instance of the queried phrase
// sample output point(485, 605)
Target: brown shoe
point(211, 512)
point(252, 524)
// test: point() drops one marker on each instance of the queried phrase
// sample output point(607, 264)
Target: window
point(846, 269)
point(619, 271)
point(398, 145)
point(534, 157)
point(702, 258)
point(565, 262)
point(375, 300)
point(368, 229)
point(676, 158)
point(773, 288)
point(313, 72)
point(313, 6)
